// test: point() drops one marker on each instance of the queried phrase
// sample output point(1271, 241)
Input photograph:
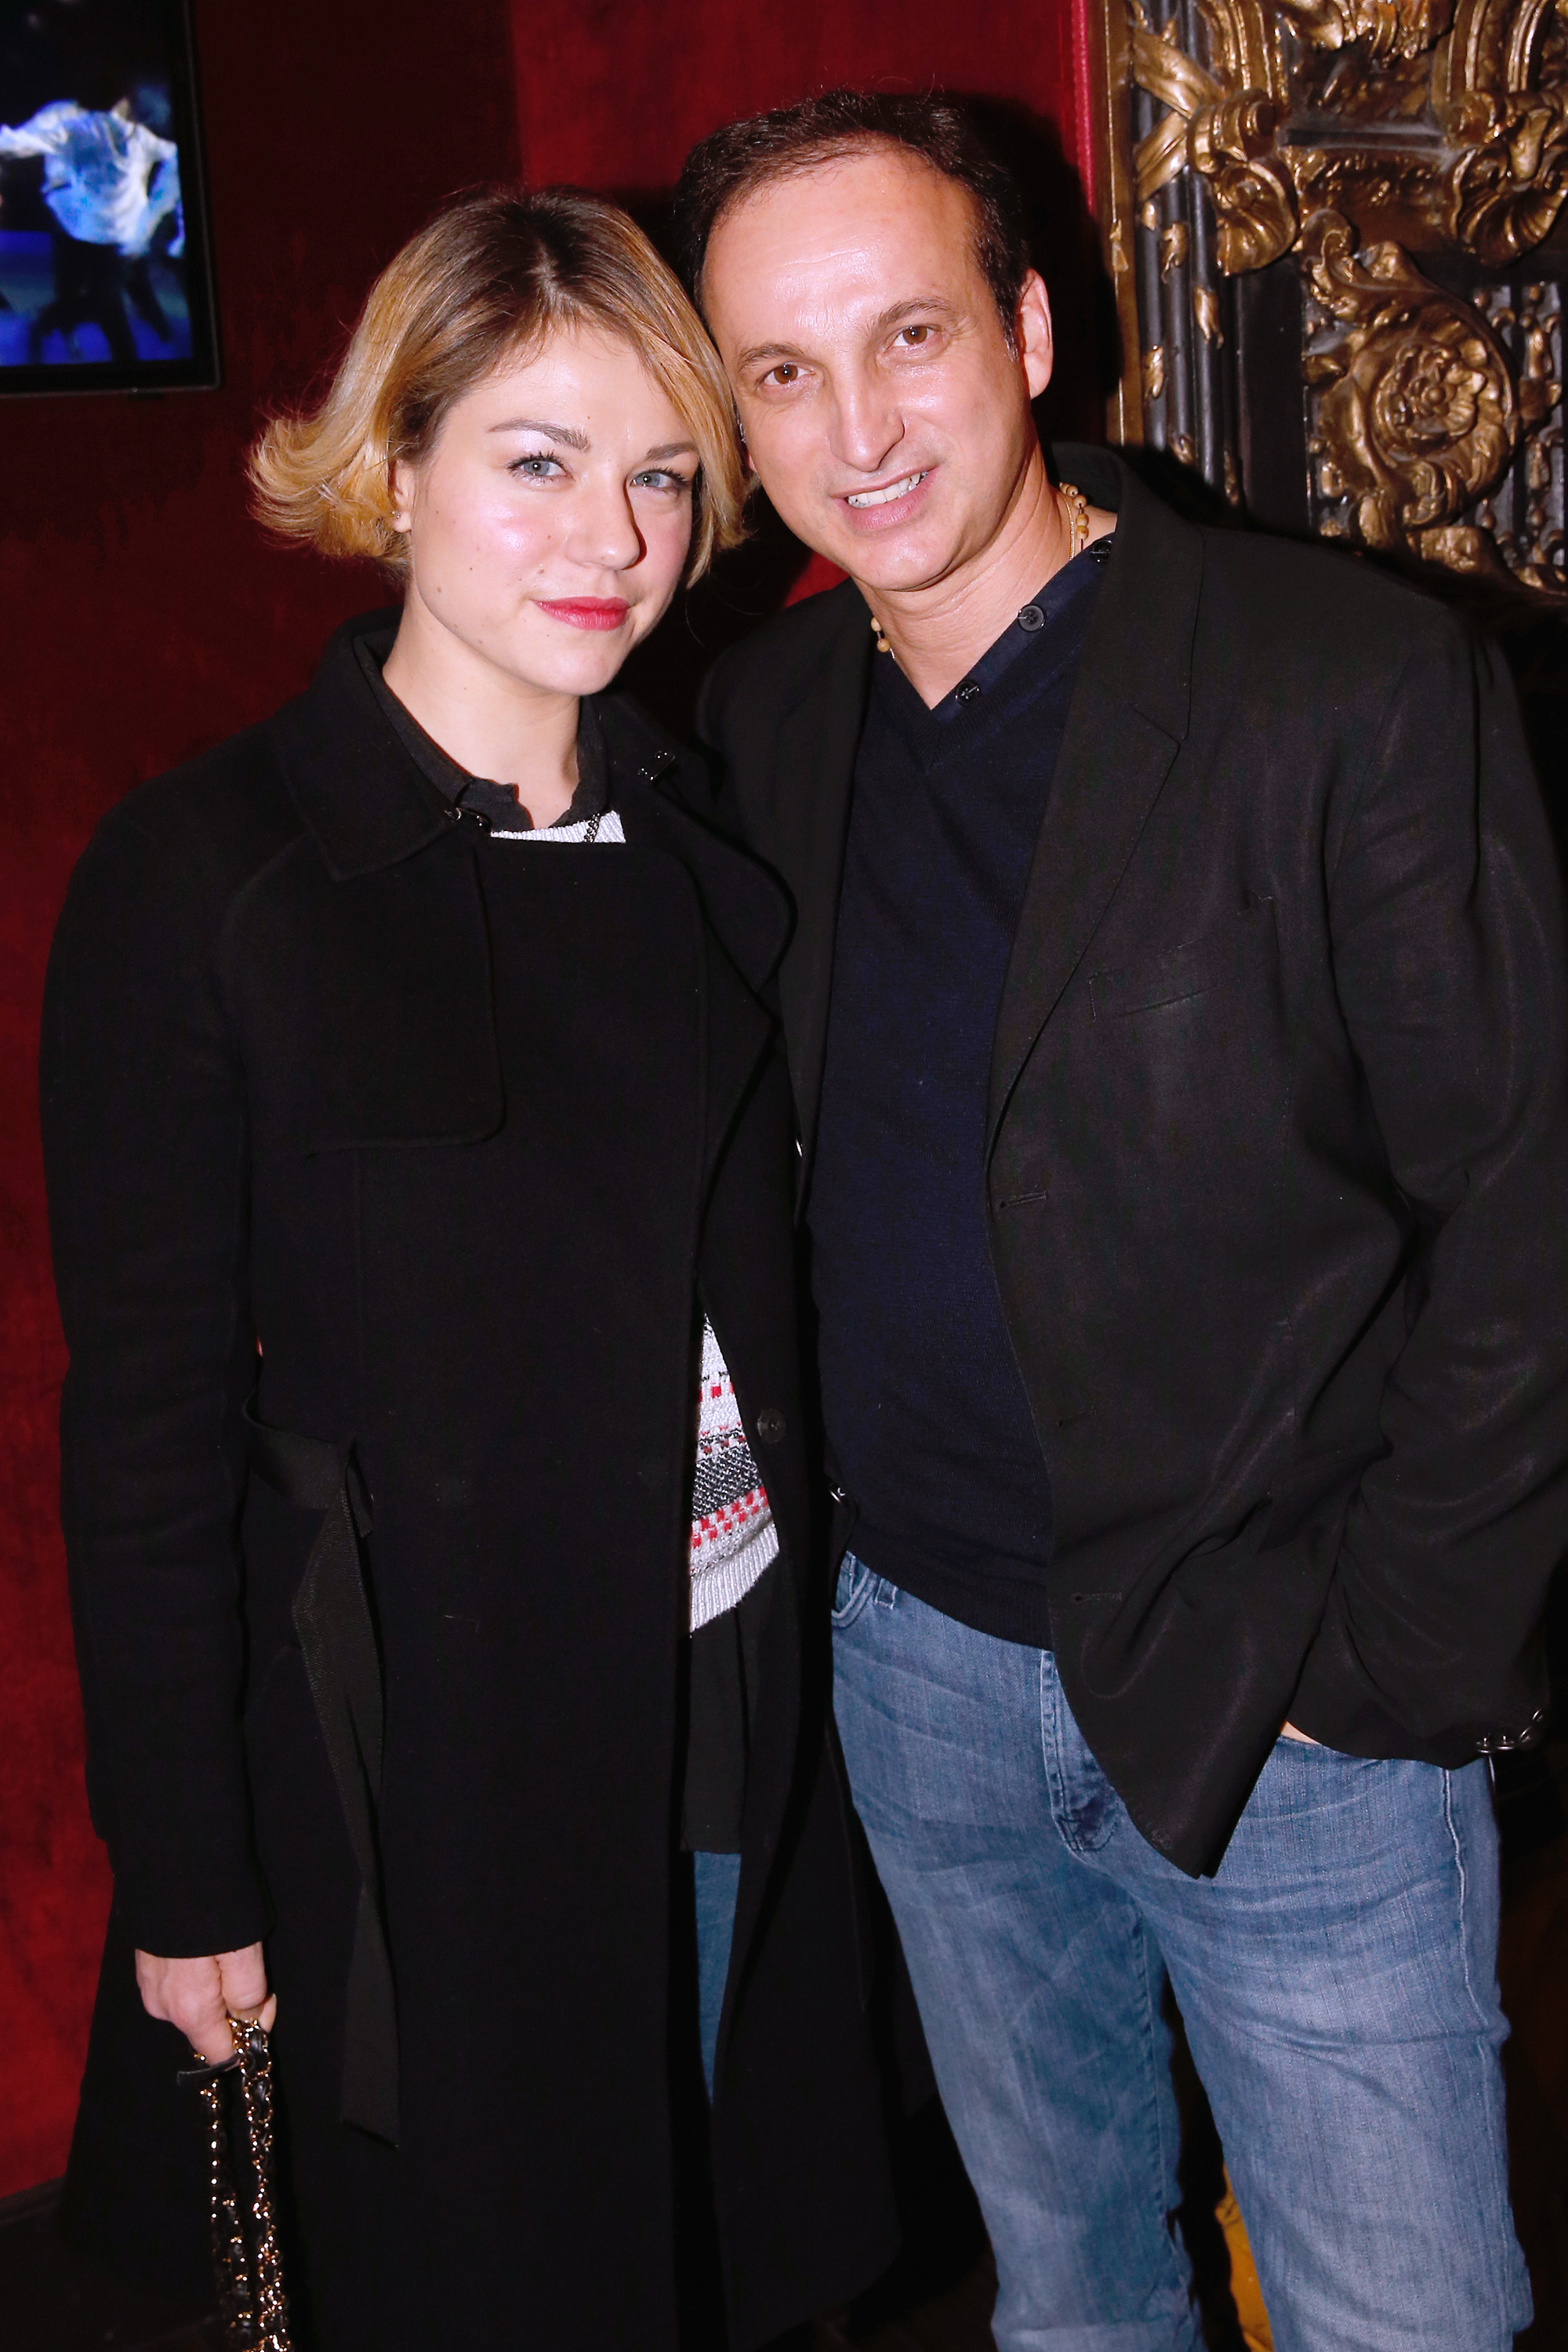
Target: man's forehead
point(874, 230)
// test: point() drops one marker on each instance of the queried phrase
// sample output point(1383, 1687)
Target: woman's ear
point(400, 489)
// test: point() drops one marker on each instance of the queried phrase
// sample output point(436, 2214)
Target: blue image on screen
point(158, 323)
point(104, 280)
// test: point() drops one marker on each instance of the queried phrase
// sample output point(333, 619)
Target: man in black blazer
point(1175, 1011)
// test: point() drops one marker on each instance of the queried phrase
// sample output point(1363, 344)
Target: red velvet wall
point(610, 93)
point(143, 619)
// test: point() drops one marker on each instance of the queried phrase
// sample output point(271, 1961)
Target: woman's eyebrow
point(572, 438)
point(672, 449)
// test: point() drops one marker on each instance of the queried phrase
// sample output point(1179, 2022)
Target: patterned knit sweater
point(734, 1534)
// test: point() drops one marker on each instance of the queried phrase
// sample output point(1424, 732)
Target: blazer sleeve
point(1451, 969)
point(145, 1153)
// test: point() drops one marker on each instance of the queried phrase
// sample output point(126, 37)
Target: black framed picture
point(105, 282)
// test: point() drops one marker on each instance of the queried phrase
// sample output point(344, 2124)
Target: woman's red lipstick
point(587, 612)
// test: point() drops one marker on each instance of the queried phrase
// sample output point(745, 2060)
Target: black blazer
point(1277, 1147)
point(269, 1071)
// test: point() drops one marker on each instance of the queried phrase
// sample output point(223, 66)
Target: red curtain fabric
point(610, 93)
point(146, 619)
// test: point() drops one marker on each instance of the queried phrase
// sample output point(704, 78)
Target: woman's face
point(548, 526)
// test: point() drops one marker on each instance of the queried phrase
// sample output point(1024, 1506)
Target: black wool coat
point(1277, 1149)
point(272, 1102)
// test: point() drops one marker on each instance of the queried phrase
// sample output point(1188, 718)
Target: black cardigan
point(1277, 1149)
point(270, 1074)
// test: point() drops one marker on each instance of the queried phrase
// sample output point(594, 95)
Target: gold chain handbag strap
point(247, 2263)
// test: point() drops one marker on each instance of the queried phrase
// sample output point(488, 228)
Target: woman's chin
point(573, 661)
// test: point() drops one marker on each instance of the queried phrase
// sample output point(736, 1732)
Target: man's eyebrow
point(921, 306)
point(567, 432)
point(769, 351)
point(918, 306)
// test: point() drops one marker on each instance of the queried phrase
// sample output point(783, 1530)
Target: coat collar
point(367, 803)
point(362, 796)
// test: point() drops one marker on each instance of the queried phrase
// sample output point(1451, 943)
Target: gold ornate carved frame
point(1334, 231)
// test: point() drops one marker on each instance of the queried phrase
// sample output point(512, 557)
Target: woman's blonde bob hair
point(485, 283)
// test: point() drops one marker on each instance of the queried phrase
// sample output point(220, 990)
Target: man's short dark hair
point(732, 163)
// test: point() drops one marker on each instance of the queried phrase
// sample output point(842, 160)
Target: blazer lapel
point(658, 792)
point(814, 777)
point(1127, 716)
point(746, 923)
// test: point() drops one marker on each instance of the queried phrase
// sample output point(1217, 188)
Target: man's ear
point(1032, 333)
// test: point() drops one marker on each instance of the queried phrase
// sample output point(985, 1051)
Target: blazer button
point(1506, 1743)
point(772, 1426)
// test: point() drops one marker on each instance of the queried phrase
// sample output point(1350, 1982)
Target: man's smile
point(885, 497)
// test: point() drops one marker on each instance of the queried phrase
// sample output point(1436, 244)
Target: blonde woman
point(437, 1481)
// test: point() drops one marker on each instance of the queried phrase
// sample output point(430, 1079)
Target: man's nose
point(868, 427)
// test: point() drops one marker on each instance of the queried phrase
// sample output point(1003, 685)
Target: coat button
point(772, 1426)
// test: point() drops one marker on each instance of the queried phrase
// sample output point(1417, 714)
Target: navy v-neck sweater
point(926, 1415)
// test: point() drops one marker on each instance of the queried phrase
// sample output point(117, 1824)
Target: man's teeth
point(882, 498)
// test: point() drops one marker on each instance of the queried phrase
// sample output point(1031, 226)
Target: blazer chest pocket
point(1184, 1068)
point(1243, 949)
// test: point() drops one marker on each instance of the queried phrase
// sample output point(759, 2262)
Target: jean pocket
point(855, 1581)
point(1320, 1750)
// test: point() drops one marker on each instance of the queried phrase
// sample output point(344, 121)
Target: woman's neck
point(494, 725)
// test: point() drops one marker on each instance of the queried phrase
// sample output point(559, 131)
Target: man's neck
point(492, 725)
point(937, 634)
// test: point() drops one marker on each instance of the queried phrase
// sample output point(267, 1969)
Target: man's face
point(883, 410)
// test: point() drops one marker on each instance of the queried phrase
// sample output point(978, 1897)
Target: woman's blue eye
point(536, 469)
point(657, 478)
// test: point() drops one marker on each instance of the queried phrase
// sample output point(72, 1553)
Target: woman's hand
point(200, 1997)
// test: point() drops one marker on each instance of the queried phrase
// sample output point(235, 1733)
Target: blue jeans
point(1337, 1980)
point(717, 1880)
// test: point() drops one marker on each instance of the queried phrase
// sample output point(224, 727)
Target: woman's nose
point(605, 535)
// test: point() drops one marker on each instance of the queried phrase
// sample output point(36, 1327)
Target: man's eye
point(916, 336)
point(786, 372)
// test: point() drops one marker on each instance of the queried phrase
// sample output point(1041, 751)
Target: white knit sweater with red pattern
point(733, 1536)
